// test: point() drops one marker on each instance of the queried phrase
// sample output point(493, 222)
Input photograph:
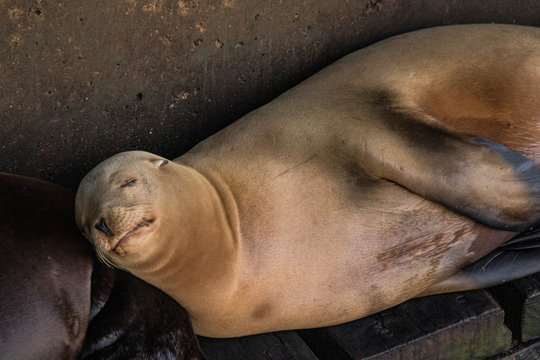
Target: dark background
point(83, 80)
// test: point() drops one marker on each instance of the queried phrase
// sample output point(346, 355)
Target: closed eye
point(129, 182)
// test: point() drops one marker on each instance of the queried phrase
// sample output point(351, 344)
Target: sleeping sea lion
point(58, 302)
point(370, 183)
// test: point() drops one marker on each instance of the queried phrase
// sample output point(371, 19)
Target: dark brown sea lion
point(335, 200)
point(58, 302)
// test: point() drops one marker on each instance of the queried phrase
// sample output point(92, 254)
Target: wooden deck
point(502, 323)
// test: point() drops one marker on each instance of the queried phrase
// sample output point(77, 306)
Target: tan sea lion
point(340, 197)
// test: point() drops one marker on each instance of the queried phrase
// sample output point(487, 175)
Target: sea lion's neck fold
point(198, 248)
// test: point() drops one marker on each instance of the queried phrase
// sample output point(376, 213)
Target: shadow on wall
point(84, 80)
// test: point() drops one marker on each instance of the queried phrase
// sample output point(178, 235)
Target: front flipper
point(470, 175)
point(515, 259)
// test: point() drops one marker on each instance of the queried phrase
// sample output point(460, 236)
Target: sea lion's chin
point(119, 247)
point(118, 255)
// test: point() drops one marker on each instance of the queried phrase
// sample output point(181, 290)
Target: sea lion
point(45, 272)
point(57, 301)
point(340, 197)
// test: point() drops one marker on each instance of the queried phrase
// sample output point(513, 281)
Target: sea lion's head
point(118, 205)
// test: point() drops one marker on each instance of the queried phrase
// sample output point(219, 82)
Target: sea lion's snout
point(102, 226)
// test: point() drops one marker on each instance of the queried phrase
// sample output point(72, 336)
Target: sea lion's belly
point(319, 246)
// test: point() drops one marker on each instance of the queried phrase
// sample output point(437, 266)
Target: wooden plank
point(530, 352)
point(274, 346)
point(520, 300)
point(452, 326)
point(530, 322)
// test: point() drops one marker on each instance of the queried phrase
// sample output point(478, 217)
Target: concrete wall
point(82, 80)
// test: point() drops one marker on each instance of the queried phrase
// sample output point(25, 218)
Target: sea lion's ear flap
point(160, 162)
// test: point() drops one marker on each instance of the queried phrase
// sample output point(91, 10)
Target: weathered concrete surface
point(83, 80)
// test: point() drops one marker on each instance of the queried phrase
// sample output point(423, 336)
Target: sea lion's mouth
point(117, 248)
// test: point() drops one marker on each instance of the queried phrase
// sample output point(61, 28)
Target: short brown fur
point(334, 200)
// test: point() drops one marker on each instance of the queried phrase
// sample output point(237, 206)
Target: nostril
point(102, 226)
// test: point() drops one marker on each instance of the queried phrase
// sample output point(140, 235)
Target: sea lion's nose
point(102, 226)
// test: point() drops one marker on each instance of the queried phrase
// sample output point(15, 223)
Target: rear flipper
point(515, 259)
